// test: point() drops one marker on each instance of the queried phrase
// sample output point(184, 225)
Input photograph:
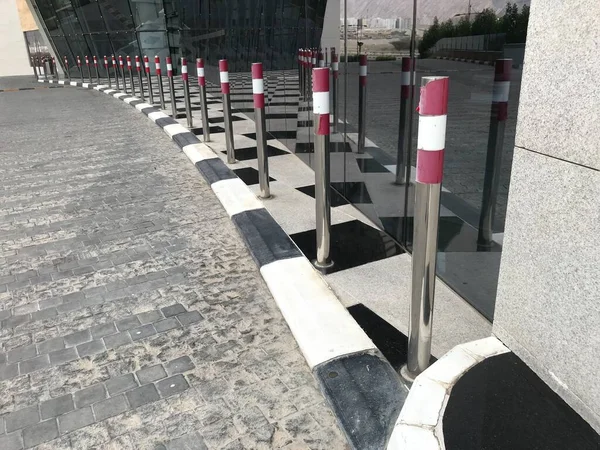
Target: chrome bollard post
point(258, 94)
point(131, 83)
point(186, 93)
point(123, 77)
point(161, 92)
point(334, 88)
point(149, 80)
point(80, 68)
point(403, 157)
point(87, 63)
point(304, 73)
point(203, 105)
point(115, 70)
point(320, 97)
point(138, 67)
point(171, 87)
point(362, 102)
point(96, 68)
point(300, 81)
point(54, 68)
point(107, 71)
point(224, 75)
point(433, 107)
point(67, 68)
point(493, 161)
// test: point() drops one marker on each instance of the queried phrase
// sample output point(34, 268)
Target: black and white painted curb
point(473, 61)
point(419, 425)
point(362, 388)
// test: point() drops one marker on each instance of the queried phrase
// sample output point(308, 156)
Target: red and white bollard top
point(95, 61)
point(138, 64)
point(184, 69)
point(169, 67)
point(146, 64)
point(431, 140)
point(200, 72)
point(406, 77)
point(320, 98)
point(78, 62)
point(121, 62)
point(129, 63)
point(303, 57)
point(53, 62)
point(224, 76)
point(105, 62)
point(313, 58)
point(334, 65)
point(157, 65)
point(501, 88)
point(362, 70)
point(114, 61)
point(87, 61)
point(321, 59)
point(258, 86)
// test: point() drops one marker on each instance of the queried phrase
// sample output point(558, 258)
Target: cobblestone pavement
point(132, 314)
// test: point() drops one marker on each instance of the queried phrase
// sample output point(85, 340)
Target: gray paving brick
point(110, 407)
point(128, 323)
point(21, 353)
point(11, 441)
point(44, 314)
point(33, 364)
point(63, 356)
point(117, 340)
point(68, 307)
point(77, 338)
point(189, 318)
point(51, 345)
point(22, 418)
point(179, 365)
point(142, 332)
point(172, 385)
point(75, 419)
point(149, 317)
point(57, 406)
point(40, 433)
point(2, 358)
point(150, 374)
point(121, 384)
point(89, 395)
point(190, 441)
point(90, 348)
point(142, 395)
point(103, 330)
point(167, 324)
point(8, 371)
point(173, 310)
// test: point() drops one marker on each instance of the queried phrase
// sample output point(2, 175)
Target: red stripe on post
point(321, 84)
point(105, 62)
point(200, 65)
point(430, 166)
point(258, 97)
point(502, 111)
point(502, 69)
point(224, 74)
point(169, 71)
point(434, 98)
point(147, 64)
point(95, 62)
point(184, 73)
point(362, 62)
point(157, 65)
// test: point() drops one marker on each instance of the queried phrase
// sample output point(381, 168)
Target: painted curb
point(361, 387)
point(420, 424)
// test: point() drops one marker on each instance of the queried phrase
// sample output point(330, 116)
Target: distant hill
point(426, 9)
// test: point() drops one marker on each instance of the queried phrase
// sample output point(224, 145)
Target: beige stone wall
point(25, 16)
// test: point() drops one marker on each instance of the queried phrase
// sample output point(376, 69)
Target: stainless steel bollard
point(320, 97)
point(300, 70)
point(129, 68)
point(362, 103)
point(123, 77)
point(80, 68)
point(67, 68)
point(334, 88)
point(161, 92)
point(321, 59)
point(96, 68)
point(203, 104)
point(433, 107)
point(149, 80)
point(87, 63)
point(224, 75)
point(186, 93)
point(115, 70)
point(171, 87)
point(403, 157)
point(54, 68)
point(258, 94)
point(138, 67)
point(493, 161)
point(107, 71)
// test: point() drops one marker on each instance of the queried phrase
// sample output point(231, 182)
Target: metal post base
point(161, 92)
point(262, 155)
point(228, 129)
point(204, 114)
point(141, 86)
point(188, 105)
point(407, 377)
point(173, 99)
point(150, 90)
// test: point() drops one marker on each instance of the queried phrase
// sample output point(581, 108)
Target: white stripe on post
point(320, 102)
point(224, 77)
point(405, 79)
point(258, 86)
point(200, 71)
point(363, 71)
point(169, 66)
point(432, 133)
point(501, 91)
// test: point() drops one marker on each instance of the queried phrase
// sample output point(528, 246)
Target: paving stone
point(33, 364)
point(90, 348)
point(172, 385)
point(173, 310)
point(142, 332)
point(110, 407)
point(179, 365)
point(75, 419)
point(51, 345)
point(8, 371)
point(40, 433)
point(149, 317)
point(21, 353)
point(150, 374)
point(117, 340)
point(103, 330)
point(57, 406)
point(142, 395)
point(89, 395)
point(189, 318)
point(128, 323)
point(22, 418)
point(12, 441)
point(121, 384)
point(63, 356)
point(190, 441)
point(80, 337)
point(166, 324)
